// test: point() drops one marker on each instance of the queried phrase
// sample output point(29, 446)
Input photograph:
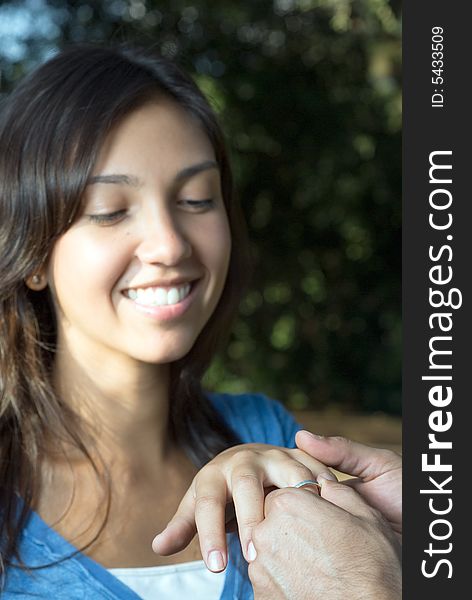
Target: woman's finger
point(210, 505)
point(286, 468)
point(180, 530)
point(318, 467)
point(248, 497)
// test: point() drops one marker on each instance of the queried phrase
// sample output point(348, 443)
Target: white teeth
point(173, 296)
point(159, 296)
point(148, 296)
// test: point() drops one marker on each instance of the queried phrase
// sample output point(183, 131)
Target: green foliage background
point(309, 95)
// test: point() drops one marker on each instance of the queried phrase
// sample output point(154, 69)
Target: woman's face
point(142, 269)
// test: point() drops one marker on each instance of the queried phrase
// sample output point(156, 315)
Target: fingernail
point(156, 541)
point(322, 480)
point(251, 552)
point(326, 475)
point(215, 561)
point(314, 435)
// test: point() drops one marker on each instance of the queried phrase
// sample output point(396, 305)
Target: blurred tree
point(309, 94)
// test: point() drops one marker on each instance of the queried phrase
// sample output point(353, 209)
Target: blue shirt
point(253, 417)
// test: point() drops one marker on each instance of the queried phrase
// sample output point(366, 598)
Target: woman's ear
point(37, 282)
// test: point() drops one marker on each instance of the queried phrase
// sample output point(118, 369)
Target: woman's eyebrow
point(194, 169)
point(116, 179)
point(122, 179)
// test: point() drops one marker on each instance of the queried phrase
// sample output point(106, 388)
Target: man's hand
point(328, 548)
point(377, 473)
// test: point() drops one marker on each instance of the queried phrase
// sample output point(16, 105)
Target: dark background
point(309, 95)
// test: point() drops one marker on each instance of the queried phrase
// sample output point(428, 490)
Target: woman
point(122, 259)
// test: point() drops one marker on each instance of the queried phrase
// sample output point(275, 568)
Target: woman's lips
point(166, 312)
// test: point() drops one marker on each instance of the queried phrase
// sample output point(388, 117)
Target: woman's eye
point(198, 204)
point(107, 218)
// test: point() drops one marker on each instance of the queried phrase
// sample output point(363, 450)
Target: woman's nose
point(163, 241)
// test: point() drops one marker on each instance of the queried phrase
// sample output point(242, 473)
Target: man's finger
point(348, 456)
point(335, 497)
point(347, 498)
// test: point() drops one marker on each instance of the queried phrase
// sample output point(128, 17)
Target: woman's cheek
point(88, 265)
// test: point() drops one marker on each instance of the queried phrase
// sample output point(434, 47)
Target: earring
point(36, 282)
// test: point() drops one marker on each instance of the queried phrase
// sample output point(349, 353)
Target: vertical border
point(434, 263)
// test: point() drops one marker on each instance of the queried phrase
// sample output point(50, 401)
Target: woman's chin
point(163, 356)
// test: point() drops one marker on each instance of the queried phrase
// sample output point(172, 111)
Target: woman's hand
point(377, 472)
point(243, 474)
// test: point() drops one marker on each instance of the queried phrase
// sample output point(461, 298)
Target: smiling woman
point(121, 273)
point(64, 127)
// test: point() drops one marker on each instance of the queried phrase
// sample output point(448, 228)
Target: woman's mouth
point(159, 296)
point(163, 303)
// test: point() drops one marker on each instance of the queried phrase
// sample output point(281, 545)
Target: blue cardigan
point(253, 417)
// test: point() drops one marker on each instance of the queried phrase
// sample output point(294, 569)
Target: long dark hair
point(51, 130)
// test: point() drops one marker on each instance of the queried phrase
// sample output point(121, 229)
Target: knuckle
point(248, 524)
point(341, 439)
point(282, 500)
point(246, 479)
point(245, 455)
point(390, 458)
point(277, 453)
point(206, 503)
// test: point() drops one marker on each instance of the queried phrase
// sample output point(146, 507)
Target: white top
point(168, 582)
